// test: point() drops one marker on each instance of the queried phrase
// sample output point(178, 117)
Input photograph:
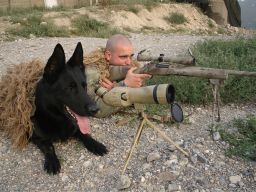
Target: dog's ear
point(77, 57)
point(55, 64)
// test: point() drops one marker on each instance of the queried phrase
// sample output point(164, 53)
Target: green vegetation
point(33, 25)
point(92, 28)
point(238, 54)
point(176, 18)
point(132, 8)
point(132, 2)
point(29, 21)
point(243, 140)
point(210, 23)
point(19, 12)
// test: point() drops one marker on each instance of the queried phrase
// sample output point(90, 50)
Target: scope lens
point(176, 113)
point(170, 94)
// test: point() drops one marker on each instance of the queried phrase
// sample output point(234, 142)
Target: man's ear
point(55, 64)
point(77, 57)
point(107, 55)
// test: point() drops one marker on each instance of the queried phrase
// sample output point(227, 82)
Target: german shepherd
point(62, 107)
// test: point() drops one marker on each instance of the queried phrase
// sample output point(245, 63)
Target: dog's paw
point(52, 165)
point(97, 148)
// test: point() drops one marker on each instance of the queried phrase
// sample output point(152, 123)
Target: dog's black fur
point(61, 92)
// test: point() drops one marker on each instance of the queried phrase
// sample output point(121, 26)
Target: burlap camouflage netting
point(97, 58)
point(16, 101)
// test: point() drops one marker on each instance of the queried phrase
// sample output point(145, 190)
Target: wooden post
point(9, 4)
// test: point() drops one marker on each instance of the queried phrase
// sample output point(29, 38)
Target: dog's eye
point(72, 85)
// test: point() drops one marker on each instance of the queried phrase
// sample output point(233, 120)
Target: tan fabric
point(96, 59)
point(17, 100)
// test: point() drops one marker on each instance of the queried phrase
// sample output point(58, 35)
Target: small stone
point(174, 187)
point(193, 158)
point(232, 185)
point(87, 164)
point(180, 142)
point(172, 157)
point(124, 182)
point(167, 176)
point(171, 148)
point(147, 175)
point(169, 163)
point(43, 23)
point(241, 184)
point(153, 156)
point(234, 179)
point(64, 178)
point(216, 136)
point(184, 162)
point(146, 166)
point(101, 166)
point(201, 158)
point(81, 157)
point(142, 179)
point(217, 190)
point(32, 36)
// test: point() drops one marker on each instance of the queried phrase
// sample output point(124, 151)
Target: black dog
point(62, 107)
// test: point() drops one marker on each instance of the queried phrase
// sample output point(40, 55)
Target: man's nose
point(128, 61)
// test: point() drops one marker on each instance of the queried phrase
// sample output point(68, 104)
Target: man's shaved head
point(116, 41)
point(119, 50)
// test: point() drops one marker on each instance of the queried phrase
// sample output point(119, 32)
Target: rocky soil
point(155, 165)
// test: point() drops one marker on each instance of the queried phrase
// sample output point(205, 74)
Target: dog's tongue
point(83, 123)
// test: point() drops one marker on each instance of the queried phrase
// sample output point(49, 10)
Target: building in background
point(9, 4)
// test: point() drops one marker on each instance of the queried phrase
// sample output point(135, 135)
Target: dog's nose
point(93, 109)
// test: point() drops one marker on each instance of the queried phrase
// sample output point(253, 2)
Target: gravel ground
point(155, 165)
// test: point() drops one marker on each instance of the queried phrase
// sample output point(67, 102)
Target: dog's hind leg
point(52, 163)
point(91, 144)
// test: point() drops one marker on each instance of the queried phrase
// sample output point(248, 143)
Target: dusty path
point(208, 170)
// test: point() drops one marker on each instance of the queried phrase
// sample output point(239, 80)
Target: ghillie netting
point(17, 99)
point(97, 58)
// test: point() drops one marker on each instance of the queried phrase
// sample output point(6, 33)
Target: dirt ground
point(155, 165)
point(138, 18)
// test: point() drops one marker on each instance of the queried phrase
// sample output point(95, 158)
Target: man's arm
point(131, 80)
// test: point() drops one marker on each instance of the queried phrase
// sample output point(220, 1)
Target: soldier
point(118, 52)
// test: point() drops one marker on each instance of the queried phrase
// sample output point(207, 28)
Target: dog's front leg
point(91, 144)
point(52, 163)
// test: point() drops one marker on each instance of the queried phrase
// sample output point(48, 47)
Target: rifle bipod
point(144, 120)
point(216, 83)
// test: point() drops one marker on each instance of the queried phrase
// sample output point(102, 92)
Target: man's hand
point(107, 83)
point(133, 79)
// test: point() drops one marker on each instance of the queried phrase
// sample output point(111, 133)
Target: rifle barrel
point(190, 61)
point(241, 73)
point(200, 72)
